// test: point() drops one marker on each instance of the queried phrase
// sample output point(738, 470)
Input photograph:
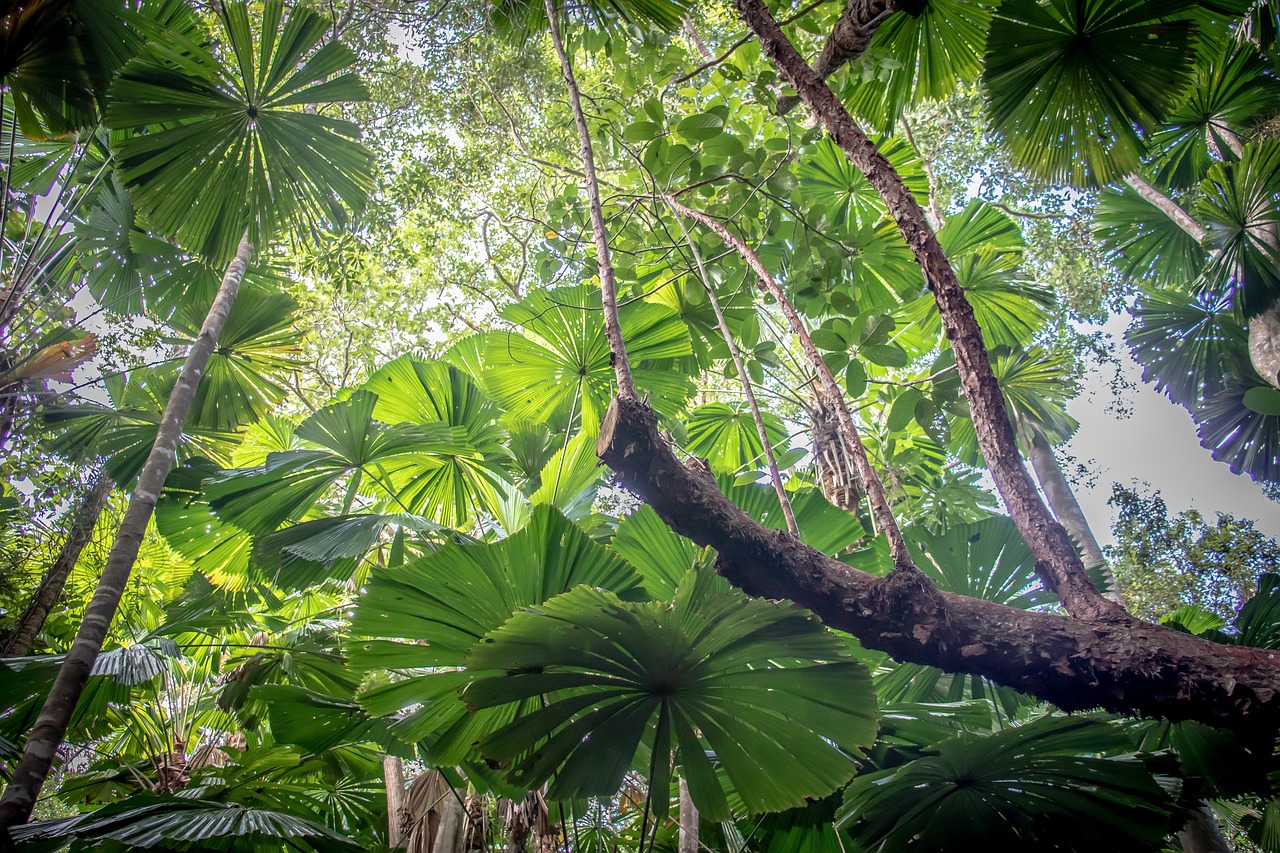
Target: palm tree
point(220, 201)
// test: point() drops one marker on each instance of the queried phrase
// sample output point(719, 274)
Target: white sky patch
point(1158, 445)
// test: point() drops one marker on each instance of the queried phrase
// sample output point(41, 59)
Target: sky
point(1156, 445)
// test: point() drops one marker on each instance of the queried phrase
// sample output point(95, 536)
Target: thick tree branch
point(1125, 666)
point(1056, 558)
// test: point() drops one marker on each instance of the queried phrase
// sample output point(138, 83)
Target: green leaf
point(1264, 401)
point(700, 127)
point(777, 698)
point(885, 355)
point(903, 410)
point(226, 153)
point(1071, 83)
point(1065, 783)
point(855, 379)
point(560, 368)
point(727, 437)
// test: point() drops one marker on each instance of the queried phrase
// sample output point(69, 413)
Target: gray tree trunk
point(83, 521)
point(1066, 508)
point(393, 776)
point(51, 726)
point(1201, 834)
point(688, 821)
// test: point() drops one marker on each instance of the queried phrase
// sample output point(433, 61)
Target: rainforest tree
point(731, 253)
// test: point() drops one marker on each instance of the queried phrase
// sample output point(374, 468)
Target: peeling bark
point(1120, 664)
point(836, 474)
point(1056, 560)
point(850, 37)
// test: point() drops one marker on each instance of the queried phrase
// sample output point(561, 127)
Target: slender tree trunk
point(1062, 500)
point(1201, 834)
point(51, 726)
point(1167, 206)
point(608, 289)
point(743, 377)
point(393, 776)
point(881, 512)
point(83, 522)
point(1056, 559)
point(688, 821)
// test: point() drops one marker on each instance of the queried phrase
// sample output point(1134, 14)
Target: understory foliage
point(388, 547)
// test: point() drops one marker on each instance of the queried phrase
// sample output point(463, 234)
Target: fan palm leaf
point(1071, 83)
point(776, 698)
point(227, 133)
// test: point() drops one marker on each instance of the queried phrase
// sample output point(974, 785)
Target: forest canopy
point(443, 426)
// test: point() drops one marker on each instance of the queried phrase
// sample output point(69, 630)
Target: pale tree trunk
point(83, 521)
point(1066, 508)
point(55, 716)
point(1201, 834)
point(393, 776)
point(688, 821)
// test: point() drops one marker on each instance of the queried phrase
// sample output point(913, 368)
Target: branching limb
point(747, 388)
point(833, 397)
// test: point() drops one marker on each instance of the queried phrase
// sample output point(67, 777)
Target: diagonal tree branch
point(1128, 667)
point(834, 399)
point(1056, 558)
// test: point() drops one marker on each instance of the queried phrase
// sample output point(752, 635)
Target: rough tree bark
point(83, 522)
point(1125, 665)
point(1099, 657)
point(51, 725)
point(850, 36)
point(1056, 558)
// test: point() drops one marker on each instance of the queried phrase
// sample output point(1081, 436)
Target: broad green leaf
point(1072, 83)
point(763, 686)
point(227, 151)
point(1067, 783)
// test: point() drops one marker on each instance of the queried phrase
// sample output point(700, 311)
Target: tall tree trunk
point(393, 776)
point(688, 821)
point(608, 289)
point(51, 726)
point(84, 520)
point(1062, 501)
point(1056, 559)
point(1201, 833)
